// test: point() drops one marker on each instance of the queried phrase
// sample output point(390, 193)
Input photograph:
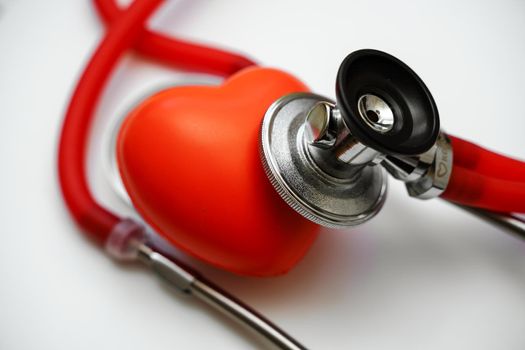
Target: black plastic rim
point(416, 118)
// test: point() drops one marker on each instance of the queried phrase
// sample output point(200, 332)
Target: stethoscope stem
point(184, 279)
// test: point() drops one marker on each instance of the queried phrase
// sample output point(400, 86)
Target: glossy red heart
point(189, 159)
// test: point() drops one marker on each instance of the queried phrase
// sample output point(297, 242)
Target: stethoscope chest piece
point(321, 197)
point(326, 160)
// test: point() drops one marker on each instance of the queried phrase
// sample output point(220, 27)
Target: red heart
point(189, 160)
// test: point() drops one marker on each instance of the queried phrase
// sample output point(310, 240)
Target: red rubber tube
point(121, 34)
point(470, 188)
point(473, 157)
point(485, 179)
point(179, 53)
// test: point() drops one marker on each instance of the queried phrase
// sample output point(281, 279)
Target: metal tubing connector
point(426, 175)
point(188, 281)
point(131, 240)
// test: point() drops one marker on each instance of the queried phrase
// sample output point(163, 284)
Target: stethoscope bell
point(323, 158)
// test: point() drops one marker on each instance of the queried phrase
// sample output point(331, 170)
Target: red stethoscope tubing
point(124, 31)
point(176, 52)
point(484, 179)
point(470, 156)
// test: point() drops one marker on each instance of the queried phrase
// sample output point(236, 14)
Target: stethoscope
point(302, 160)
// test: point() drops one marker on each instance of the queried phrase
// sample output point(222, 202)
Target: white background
point(421, 275)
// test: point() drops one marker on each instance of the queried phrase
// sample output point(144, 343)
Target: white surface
point(421, 275)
